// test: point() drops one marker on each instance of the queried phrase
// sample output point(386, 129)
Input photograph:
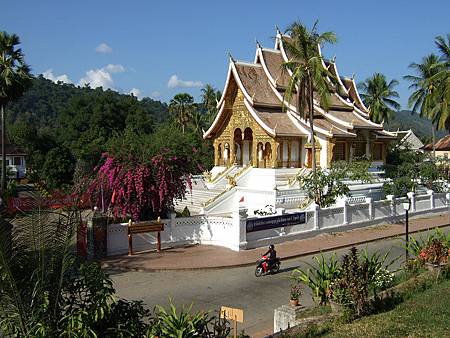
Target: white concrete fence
point(231, 232)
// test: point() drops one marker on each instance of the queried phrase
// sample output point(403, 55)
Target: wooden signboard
point(236, 315)
point(144, 227)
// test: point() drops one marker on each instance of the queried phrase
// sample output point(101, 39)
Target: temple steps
point(194, 199)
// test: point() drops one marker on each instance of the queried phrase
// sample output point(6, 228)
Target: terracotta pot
point(293, 302)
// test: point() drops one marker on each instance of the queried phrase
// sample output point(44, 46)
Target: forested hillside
point(60, 125)
point(405, 120)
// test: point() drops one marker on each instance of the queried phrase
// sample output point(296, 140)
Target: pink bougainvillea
point(140, 189)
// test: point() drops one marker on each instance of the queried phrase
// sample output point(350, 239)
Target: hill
point(405, 120)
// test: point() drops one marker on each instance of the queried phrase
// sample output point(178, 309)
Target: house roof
point(11, 149)
point(442, 145)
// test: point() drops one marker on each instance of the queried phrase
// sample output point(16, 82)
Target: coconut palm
point(422, 100)
point(197, 122)
point(182, 106)
point(308, 73)
point(210, 97)
point(14, 79)
point(378, 95)
point(441, 113)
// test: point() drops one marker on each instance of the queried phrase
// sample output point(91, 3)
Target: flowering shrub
point(142, 189)
point(383, 279)
point(434, 253)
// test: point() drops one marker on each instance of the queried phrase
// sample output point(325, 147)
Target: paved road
point(235, 287)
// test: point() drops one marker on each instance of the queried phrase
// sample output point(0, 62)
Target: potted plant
point(295, 294)
point(339, 296)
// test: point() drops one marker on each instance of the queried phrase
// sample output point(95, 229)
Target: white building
point(15, 161)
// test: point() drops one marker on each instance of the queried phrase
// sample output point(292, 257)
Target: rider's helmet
point(271, 247)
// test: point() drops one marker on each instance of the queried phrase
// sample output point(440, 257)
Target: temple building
point(261, 144)
point(256, 126)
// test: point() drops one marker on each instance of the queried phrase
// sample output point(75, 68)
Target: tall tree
point(441, 114)
point(182, 106)
point(422, 99)
point(308, 73)
point(210, 97)
point(378, 95)
point(14, 79)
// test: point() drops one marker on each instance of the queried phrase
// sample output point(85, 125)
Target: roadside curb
point(297, 255)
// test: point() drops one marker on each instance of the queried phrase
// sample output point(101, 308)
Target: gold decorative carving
point(330, 146)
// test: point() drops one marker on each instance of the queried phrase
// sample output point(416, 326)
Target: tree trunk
point(433, 136)
point(3, 131)
point(313, 141)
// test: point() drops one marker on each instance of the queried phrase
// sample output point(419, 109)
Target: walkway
point(213, 257)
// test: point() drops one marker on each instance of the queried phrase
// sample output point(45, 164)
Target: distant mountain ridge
point(405, 120)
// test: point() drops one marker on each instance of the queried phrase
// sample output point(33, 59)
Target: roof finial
point(333, 59)
point(258, 45)
point(231, 57)
point(278, 29)
point(353, 76)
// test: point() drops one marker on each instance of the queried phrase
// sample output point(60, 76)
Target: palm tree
point(182, 106)
point(441, 114)
point(378, 96)
point(210, 98)
point(197, 122)
point(14, 79)
point(308, 73)
point(423, 97)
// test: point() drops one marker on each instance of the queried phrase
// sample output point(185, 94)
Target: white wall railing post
point(431, 194)
point(412, 196)
point(370, 201)
point(344, 203)
point(171, 225)
point(448, 204)
point(316, 209)
point(392, 204)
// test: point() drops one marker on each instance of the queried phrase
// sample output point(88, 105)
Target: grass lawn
point(425, 314)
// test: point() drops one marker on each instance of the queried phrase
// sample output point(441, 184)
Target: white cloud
point(175, 82)
point(136, 92)
point(101, 77)
point(103, 48)
point(155, 95)
point(48, 74)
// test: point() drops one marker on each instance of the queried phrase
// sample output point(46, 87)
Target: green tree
point(422, 99)
point(182, 106)
point(441, 114)
point(58, 168)
point(308, 73)
point(210, 96)
point(378, 96)
point(14, 79)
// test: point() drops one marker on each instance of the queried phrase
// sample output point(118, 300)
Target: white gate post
point(240, 228)
point(344, 203)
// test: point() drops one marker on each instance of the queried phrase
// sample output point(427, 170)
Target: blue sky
point(142, 45)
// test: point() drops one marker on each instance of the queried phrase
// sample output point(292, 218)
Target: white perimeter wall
point(230, 232)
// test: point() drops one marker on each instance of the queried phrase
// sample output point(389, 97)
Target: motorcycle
point(262, 266)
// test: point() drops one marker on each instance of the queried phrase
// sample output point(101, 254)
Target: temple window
point(339, 151)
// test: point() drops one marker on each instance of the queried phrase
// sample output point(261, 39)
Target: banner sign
point(266, 223)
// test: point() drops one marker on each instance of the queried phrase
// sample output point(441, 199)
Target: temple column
point(255, 153)
point(369, 148)
point(275, 155)
point(232, 152)
point(216, 154)
point(289, 154)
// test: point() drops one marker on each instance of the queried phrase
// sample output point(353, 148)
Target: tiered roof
point(263, 83)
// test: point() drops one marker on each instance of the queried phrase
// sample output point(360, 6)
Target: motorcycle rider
point(272, 256)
